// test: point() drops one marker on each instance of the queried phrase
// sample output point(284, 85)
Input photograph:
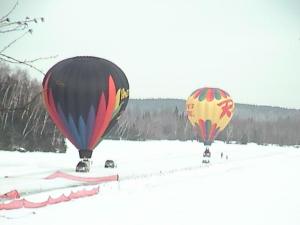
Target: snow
point(164, 183)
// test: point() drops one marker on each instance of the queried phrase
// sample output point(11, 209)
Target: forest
point(25, 125)
point(24, 122)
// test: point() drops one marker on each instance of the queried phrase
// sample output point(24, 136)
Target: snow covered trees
point(160, 119)
point(27, 125)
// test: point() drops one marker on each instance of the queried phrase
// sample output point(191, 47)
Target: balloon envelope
point(84, 96)
point(209, 110)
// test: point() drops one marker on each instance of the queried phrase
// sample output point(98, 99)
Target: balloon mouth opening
point(85, 153)
point(207, 144)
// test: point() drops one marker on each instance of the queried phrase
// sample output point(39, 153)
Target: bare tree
point(20, 28)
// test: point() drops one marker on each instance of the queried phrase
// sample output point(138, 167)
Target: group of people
point(223, 155)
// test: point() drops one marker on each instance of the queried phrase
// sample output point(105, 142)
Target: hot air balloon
point(84, 97)
point(209, 110)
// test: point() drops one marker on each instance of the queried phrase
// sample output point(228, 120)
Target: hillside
point(165, 119)
point(244, 111)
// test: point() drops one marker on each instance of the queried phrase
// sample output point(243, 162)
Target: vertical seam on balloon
point(90, 124)
point(74, 131)
point(202, 96)
point(98, 121)
point(209, 95)
point(66, 127)
point(212, 132)
point(109, 109)
point(202, 129)
point(82, 132)
point(54, 115)
point(207, 129)
point(49, 102)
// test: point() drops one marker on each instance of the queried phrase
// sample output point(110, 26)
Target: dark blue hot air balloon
point(85, 96)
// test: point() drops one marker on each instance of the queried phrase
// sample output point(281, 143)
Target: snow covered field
point(164, 183)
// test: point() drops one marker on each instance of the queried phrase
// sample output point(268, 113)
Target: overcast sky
point(169, 48)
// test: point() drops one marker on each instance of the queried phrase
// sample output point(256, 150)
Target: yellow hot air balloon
point(209, 110)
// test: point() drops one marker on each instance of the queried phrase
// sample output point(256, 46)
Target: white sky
point(169, 48)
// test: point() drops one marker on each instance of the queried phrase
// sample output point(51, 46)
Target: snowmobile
point(109, 164)
point(206, 156)
point(206, 153)
point(83, 166)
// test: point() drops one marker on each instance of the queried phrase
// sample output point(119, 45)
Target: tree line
point(256, 124)
point(25, 124)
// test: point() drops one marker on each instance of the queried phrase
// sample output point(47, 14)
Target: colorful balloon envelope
point(85, 96)
point(209, 110)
